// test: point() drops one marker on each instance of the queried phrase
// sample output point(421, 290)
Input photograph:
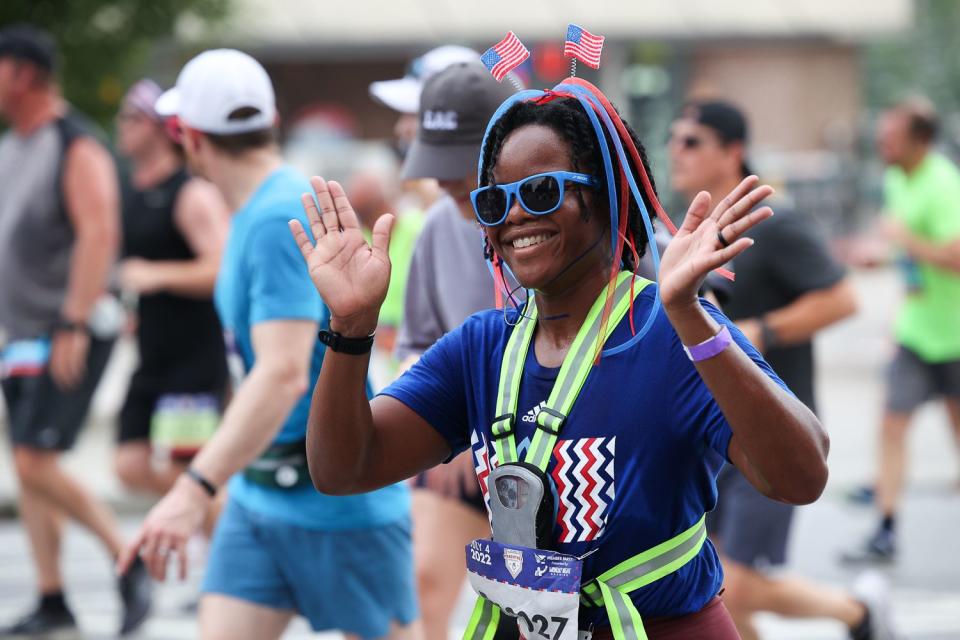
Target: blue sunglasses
point(538, 194)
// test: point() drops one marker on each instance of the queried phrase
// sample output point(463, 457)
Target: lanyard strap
point(573, 373)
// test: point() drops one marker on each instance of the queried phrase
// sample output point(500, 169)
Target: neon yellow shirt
point(928, 202)
point(406, 228)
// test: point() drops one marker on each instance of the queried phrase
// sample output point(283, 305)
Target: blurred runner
point(374, 193)
point(280, 547)
point(448, 281)
point(403, 96)
point(59, 219)
point(174, 228)
point(788, 288)
point(922, 194)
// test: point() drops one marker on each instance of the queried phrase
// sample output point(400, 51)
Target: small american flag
point(505, 56)
point(583, 45)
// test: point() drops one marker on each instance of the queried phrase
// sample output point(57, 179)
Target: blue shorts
point(356, 581)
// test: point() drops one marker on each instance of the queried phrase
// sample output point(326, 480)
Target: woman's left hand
point(697, 248)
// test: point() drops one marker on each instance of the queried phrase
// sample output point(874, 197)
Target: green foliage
point(104, 44)
point(924, 60)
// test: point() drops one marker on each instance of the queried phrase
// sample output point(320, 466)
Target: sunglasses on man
point(687, 142)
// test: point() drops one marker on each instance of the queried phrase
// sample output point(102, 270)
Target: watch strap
point(343, 344)
point(768, 336)
point(64, 325)
point(205, 484)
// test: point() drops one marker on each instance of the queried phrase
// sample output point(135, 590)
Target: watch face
point(512, 491)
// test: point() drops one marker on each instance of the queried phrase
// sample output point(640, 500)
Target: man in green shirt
point(922, 193)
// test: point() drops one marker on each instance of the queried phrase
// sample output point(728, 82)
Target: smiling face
point(549, 252)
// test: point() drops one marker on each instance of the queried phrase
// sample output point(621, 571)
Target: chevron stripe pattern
point(583, 475)
point(584, 478)
point(481, 464)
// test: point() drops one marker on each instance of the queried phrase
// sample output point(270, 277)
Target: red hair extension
point(628, 141)
point(632, 243)
point(617, 258)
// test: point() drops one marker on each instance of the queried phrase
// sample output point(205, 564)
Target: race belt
point(281, 466)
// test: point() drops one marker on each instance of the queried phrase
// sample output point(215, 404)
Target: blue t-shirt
point(636, 462)
point(262, 278)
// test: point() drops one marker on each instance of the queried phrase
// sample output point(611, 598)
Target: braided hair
point(567, 118)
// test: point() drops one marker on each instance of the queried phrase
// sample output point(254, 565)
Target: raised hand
point(351, 275)
point(705, 242)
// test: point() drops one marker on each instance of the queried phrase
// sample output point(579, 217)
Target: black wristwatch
point(767, 335)
point(70, 326)
point(205, 484)
point(343, 344)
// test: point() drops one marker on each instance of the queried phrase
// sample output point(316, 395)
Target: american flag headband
point(598, 108)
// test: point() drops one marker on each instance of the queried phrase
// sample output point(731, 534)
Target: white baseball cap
point(216, 84)
point(403, 94)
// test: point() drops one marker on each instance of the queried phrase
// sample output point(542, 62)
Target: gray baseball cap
point(455, 107)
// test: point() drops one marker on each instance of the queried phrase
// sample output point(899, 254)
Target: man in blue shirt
point(280, 547)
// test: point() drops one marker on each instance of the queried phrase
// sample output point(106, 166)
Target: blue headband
point(590, 103)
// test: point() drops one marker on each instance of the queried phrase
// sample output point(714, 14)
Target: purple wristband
point(709, 348)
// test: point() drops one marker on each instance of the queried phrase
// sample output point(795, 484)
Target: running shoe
point(863, 495)
point(872, 590)
point(44, 623)
point(136, 593)
point(880, 548)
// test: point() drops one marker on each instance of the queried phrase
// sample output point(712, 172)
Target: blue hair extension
point(647, 224)
point(591, 106)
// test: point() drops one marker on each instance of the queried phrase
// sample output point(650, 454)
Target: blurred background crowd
point(812, 77)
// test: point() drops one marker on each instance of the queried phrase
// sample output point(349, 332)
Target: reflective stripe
point(612, 588)
point(510, 371)
point(649, 566)
point(573, 373)
point(575, 369)
point(483, 622)
point(625, 622)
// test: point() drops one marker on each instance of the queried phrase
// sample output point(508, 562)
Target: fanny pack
point(282, 466)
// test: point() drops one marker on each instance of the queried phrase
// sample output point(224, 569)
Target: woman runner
point(636, 461)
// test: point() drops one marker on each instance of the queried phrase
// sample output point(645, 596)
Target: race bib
point(24, 358)
point(183, 422)
point(541, 589)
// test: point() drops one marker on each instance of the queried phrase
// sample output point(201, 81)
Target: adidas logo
point(533, 413)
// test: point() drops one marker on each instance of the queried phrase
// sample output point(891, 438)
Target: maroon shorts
point(713, 622)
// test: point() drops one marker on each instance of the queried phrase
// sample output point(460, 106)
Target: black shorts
point(912, 381)
point(42, 416)
point(138, 409)
point(749, 527)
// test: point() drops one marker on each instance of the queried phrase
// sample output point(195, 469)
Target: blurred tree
point(105, 43)
point(925, 60)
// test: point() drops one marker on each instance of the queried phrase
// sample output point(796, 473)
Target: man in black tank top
point(174, 227)
point(58, 237)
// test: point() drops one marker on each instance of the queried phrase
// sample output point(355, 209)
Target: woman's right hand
point(351, 275)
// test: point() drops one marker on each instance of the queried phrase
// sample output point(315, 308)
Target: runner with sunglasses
point(631, 460)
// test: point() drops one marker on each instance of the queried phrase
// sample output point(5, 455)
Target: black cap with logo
point(455, 107)
point(28, 43)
